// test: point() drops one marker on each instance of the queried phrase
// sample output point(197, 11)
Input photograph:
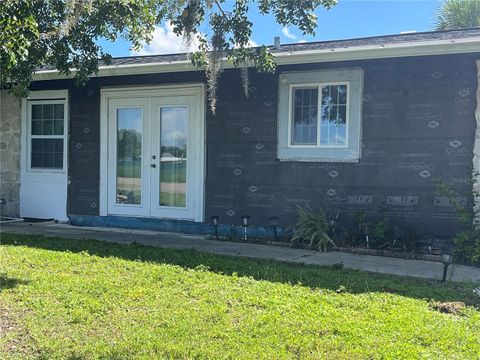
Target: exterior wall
point(10, 127)
point(418, 127)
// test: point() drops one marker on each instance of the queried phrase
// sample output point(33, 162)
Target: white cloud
point(287, 33)
point(250, 43)
point(165, 41)
point(302, 41)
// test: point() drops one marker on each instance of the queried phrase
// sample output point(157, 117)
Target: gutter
point(405, 49)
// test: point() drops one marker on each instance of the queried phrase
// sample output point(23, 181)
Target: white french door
point(155, 157)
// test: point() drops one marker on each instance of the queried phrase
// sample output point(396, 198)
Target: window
point(320, 115)
point(47, 134)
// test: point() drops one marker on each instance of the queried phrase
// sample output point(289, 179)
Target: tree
point(64, 33)
point(458, 14)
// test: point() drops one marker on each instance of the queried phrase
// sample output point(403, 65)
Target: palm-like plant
point(311, 228)
point(458, 14)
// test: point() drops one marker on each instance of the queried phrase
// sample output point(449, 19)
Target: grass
point(84, 299)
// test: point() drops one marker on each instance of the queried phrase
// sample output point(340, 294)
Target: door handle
point(153, 165)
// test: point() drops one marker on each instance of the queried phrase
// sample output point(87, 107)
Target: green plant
point(467, 242)
point(467, 246)
point(458, 14)
point(311, 228)
point(381, 229)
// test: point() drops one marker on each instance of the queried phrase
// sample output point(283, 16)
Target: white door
point(173, 137)
point(43, 190)
point(155, 157)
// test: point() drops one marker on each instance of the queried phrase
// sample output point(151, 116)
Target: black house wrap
point(418, 126)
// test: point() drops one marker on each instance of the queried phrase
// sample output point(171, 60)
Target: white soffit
point(418, 48)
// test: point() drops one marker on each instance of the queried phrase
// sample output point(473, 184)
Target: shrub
point(311, 228)
point(467, 246)
point(467, 242)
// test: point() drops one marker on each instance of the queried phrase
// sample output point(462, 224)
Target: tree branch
point(220, 8)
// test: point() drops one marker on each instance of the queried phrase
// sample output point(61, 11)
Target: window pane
point(37, 112)
point(342, 114)
point(58, 160)
point(173, 156)
point(47, 111)
point(342, 94)
point(58, 127)
point(333, 115)
point(304, 124)
point(326, 98)
point(47, 153)
point(47, 127)
point(37, 127)
point(129, 156)
point(58, 112)
point(341, 134)
point(48, 160)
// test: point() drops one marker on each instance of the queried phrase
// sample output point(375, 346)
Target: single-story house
point(359, 126)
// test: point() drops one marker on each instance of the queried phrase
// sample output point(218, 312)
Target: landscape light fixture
point(333, 220)
point(446, 260)
point(396, 236)
point(274, 222)
point(214, 219)
point(245, 225)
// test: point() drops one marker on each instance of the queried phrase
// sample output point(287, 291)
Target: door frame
point(197, 90)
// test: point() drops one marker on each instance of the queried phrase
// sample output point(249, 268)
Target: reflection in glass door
point(173, 156)
point(129, 156)
point(128, 183)
point(176, 141)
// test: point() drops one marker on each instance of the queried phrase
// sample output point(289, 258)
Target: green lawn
point(74, 299)
point(169, 171)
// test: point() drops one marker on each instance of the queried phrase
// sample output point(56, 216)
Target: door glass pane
point(129, 156)
point(173, 156)
point(47, 154)
point(47, 119)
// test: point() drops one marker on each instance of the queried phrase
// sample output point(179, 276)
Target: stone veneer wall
point(10, 127)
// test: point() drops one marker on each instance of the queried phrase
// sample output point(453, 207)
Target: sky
point(348, 19)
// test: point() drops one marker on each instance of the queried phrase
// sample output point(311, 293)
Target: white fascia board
point(424, 48)
point(420, 48)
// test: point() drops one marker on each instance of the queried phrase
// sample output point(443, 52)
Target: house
point(352, 126)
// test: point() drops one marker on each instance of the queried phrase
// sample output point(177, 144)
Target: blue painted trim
point(171, 225)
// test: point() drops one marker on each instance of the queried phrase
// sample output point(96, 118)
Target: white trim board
point(403, 49)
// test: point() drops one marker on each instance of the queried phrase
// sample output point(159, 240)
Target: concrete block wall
point(10, 128)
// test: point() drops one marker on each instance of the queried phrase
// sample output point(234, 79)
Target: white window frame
point(350, 151)
point(30, 136)
point(319, 85)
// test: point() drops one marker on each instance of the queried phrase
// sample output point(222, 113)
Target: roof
point(407, 44)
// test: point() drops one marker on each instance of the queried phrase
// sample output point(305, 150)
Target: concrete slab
point(379, 264)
